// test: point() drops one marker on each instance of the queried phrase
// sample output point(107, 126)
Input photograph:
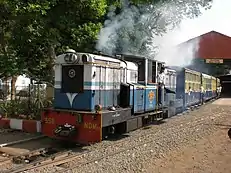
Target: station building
point(212, 52)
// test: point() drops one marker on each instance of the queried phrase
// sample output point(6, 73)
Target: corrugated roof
point(212, 45)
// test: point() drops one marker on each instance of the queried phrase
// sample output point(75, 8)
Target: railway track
point(9, 160)
point(81, 159)
point(45, 157)
point(122, 150)
point(12, 161)
point(78, 159)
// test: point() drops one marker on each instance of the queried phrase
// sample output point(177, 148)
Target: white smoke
point(133, 29)
point(173, 54)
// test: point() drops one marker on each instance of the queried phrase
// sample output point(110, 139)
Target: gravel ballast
point(142, 147)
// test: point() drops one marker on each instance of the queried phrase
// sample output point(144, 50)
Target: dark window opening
point(72, 79)
point(151, 71)
point(124, 95)
point(154, 72)
point(141, 70)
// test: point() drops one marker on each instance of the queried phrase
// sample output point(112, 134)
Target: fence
point(26, 101)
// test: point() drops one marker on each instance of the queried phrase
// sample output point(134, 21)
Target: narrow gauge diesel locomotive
point(97, 95)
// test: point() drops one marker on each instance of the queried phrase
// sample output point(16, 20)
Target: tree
point(36, 31)
point(131, 29)
point(9, 63)
point(45, 28)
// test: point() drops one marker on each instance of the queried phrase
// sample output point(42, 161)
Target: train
point(97, 95)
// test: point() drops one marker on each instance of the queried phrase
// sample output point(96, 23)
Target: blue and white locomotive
point(121, 93)
point(96, 95)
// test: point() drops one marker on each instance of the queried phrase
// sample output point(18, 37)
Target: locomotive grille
point(72, 79)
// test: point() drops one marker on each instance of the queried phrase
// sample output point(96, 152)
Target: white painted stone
point(38, 126)
point(16, 124)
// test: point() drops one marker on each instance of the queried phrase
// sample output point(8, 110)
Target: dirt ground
point(212, 154)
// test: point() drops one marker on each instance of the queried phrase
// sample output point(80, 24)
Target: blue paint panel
point(87, 100)
point(209, 95)
point(214, 94)
point(83, 101)
point(150, 103)
point(188, 100)
point(192, 99)
point(169, 97)
point(180, 86)
point(139, 100)
point(142, 101)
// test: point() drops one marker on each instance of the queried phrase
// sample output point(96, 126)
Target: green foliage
point(42, 28)
point(8, 63)
point(33, 32)
point(14, 108)
point(23, 109)
point(132, 27)
point(26, 106)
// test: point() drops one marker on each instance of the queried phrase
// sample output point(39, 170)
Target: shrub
point(24, 108)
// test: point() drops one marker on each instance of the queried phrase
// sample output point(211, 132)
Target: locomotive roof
point(192, 71)
point(206, 75)
point(169, 69)
point(60, 58)
point(104, 57)
point(115, 59)
point(177, 68)
point(139, 57)
point(130, 65)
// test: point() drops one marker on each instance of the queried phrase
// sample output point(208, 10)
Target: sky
point(216, 18)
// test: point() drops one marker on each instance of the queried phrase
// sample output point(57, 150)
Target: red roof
point(212, 45)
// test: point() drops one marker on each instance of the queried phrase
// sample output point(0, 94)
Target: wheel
point(229, 133)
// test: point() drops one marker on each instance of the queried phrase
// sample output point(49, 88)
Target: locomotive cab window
point(154, 70)
point(72, 79)
point(141, 70)
point(151, 79)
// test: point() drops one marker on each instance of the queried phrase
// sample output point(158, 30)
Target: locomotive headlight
point(71, 73)
point(84, 58)
point(71, 58)
point(98, 108)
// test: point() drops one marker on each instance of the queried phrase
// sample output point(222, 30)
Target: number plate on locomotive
point(49, 120)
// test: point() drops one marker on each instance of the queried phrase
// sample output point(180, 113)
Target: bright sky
point(216, 18)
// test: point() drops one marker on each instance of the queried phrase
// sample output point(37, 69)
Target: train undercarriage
point(86, 128)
